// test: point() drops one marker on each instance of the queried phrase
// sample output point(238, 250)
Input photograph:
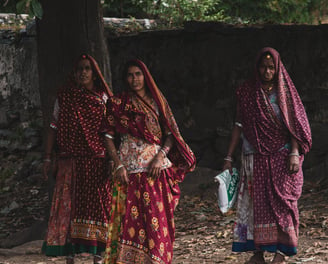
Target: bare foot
point(97, 259)
point(279, 259)
point(257, 258)
point(69, 260)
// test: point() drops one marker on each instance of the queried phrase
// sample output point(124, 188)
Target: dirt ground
point(203, 235)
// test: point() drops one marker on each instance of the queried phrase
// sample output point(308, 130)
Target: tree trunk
point(67, 29)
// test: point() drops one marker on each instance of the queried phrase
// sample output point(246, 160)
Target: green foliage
point(273, 11)
point(31, 7)
point(175, 12)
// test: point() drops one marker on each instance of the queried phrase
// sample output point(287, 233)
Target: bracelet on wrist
point(166, 149)
point(228, 158)
point(118, 167)
point(163, 151)
point(294, 154)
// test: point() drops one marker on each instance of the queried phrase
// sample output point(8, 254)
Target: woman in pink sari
point(78, 222)
point(152, 159)
point(276, 135)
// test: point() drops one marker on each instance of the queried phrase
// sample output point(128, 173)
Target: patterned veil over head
point(181, 155)
point(78, 107)
point(292, 110)
point(125, 118)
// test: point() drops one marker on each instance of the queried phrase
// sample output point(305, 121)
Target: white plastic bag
point(227, 189)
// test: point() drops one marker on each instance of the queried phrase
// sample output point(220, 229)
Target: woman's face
point(84, 74)
point(135, 79)
point(267, 69)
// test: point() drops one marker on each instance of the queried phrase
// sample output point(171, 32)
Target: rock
point(13, 206)
point(5, 133)
point(35, 232)
point(33, 247)
point(9, 208)
point(3, 119)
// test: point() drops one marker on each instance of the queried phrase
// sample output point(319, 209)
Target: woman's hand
point(293, 164)
point(155, 165)
point(227, 165)
point(121, 174)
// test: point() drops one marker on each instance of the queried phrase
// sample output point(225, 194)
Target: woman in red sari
point(152, 159)
point(276, 135)
point(77, 220)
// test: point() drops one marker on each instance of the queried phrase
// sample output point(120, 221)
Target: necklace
point(268, 89)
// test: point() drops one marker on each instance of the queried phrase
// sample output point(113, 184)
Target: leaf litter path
point(203, 235)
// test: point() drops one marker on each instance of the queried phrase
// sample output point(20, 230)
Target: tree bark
point(67, 29)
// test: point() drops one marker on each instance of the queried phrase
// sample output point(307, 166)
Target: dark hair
point(84, 56)
point(127, 65)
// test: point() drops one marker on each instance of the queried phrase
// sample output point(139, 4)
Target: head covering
point(82, 114)
point(130, 121)
point(292, 110)
point(101, 85)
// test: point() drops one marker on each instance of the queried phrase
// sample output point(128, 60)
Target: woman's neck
point(142, 93)
point(268, 87)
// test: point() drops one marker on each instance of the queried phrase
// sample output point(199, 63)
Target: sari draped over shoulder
point(267, 215)
point(142, 224)
point(78, 221)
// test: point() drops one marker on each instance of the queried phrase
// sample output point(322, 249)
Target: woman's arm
point(294, 160)
point(119, 170)
point(235, 137)
point(157, 163)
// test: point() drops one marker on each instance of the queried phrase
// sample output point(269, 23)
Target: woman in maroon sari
point(276, 135)
point(77, 220)
point(151, 161)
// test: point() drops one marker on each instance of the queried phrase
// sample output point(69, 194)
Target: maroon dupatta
point(81, 113)
point(126, 119)
point(260, 126)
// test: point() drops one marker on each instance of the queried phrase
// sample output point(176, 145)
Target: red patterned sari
point(267, 215)
point(78, 222)
point(142, 223)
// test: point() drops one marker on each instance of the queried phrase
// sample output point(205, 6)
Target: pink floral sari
point(267, 208)
point(142, 227)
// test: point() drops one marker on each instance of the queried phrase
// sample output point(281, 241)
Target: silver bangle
point(228, 158)
point(119, 167)
point(109, 136)
point(163, 151)
point(53, 126)
point(238, 124)
point(294, 154)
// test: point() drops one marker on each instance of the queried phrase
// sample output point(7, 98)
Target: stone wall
point(198, 69)
point(19, 90)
